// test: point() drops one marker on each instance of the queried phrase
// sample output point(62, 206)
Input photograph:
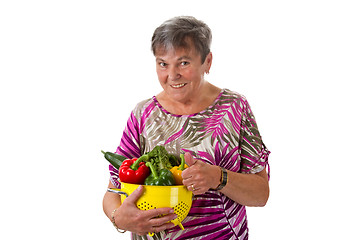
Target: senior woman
point(216, 130)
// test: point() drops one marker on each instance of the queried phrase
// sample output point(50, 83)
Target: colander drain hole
point(181, 208)
point(145, 206)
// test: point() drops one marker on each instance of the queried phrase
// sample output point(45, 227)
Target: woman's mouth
point(178, 85)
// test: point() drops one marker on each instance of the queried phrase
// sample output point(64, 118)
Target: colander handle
point(116, 190)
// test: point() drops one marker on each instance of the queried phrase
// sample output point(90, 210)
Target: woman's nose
point(174, 74)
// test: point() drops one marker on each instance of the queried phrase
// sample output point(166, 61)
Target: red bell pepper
point(133, 171)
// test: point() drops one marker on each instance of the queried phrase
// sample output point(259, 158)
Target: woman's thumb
point(135, 195)
point(189, 159)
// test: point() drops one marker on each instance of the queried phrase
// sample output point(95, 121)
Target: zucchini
point(114, 158)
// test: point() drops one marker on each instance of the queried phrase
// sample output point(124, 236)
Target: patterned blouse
point(224, 134)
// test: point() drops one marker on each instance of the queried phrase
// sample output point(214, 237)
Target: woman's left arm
point(248, 189)
point(244, 188)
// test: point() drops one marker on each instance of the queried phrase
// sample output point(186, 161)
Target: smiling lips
point(178, 85)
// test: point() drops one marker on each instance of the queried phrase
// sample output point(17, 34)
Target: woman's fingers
point(194, 176)
point(162, 223)
point(133, 219)
point(189, 159)
point(158, 220)
point(152, 213)
point(199, 177)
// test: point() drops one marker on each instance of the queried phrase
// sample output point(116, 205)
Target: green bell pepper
point(162, 178)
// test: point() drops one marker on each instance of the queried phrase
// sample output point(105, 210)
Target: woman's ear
point(208, 62)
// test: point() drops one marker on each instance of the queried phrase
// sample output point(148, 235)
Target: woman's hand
point(129, 217)
point(199, 177)
point(245, 189)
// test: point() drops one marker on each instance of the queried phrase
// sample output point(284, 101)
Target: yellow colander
point(176, 197)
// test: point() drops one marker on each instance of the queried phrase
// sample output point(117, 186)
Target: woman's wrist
point(112, 219)
point(216, 176)
point(223, 179)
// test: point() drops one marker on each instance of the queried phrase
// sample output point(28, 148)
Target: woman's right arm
point(128, 217)
point(111, 201)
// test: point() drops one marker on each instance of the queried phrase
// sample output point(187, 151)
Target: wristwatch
point(223, 180)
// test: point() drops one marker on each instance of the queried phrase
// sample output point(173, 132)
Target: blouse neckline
point(211, 106)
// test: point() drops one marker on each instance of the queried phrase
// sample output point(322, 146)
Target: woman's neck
point(193, 105)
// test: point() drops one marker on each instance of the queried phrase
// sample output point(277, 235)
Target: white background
point(71, 71)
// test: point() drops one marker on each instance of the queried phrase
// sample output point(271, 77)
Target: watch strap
point(224, 179)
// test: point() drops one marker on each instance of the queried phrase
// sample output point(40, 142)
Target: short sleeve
point(131, 143)
point(129, 146)
point(253, 152)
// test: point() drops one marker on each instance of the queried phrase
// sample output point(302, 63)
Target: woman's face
point(181, 73)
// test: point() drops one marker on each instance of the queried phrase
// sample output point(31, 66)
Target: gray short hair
point(175, 32)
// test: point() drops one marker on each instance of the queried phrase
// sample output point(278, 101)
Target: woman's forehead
point(177, 54)
point(176, 51)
